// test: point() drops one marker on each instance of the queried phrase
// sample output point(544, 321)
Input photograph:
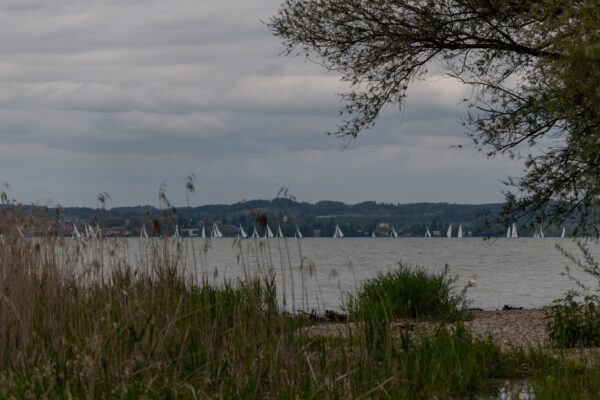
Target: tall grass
point(567, 380)
point(86, 319)
point(132, 331)
point(407, 292)
point(574, 320)
point(571, 323)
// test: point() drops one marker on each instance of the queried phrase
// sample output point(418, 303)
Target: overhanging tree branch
point(532, 67)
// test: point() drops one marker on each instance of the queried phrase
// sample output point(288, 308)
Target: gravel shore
point(508, 327)
point(525, 328)
point(521, 328)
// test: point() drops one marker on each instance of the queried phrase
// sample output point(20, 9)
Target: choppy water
point(524, 272)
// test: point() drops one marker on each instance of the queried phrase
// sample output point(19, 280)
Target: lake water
point(522, 273)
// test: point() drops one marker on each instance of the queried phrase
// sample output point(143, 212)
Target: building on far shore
point(115, 231)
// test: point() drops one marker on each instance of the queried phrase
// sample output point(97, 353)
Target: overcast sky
point(122, 96)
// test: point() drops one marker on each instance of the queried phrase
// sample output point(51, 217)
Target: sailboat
point(449, 233)
point(76, 233)
point(563, 234)
point(298, 233)
point(427, 234)
point(143, 233)
point(514, 231)
point(176, 233)
point(254, 234)
point(216, 232)
point(460, 232)
point(394, 233)
point(243, 233)
point(508, 232)
point(203, 232)
point(269, 232)
point(279, 233)
point(373, 235)
point(338, 232)
point(541, 234)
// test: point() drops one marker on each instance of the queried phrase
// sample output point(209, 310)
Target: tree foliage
point(532, 66)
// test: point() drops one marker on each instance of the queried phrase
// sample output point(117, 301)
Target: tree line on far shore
point(313, 219)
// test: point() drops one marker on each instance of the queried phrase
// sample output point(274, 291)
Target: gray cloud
point(120, 96)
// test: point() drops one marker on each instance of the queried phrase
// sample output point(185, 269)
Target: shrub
point(407, 292)
point(448, 362)
point(571, 323)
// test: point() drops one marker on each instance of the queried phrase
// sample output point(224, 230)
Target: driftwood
point(507, 307)
point(328, 316)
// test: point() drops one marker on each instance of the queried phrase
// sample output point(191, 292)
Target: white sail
point(338, 232)
point(76, 233)
point(255, 233)
point(394, 233)
point(427, 234)
point(541, 235)
point(217, 233)
point(460, 232)
point(298, 233)
point(563, 234)
point(508, 232)
point(243, 233)
point(514, 234)
point(373, 235)
point(143, 233)
point(269, 232)
point(449, 233)
point(279, 233)
point(176, 234)
point(203, 232)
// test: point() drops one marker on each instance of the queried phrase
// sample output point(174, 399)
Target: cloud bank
point(122, 96)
